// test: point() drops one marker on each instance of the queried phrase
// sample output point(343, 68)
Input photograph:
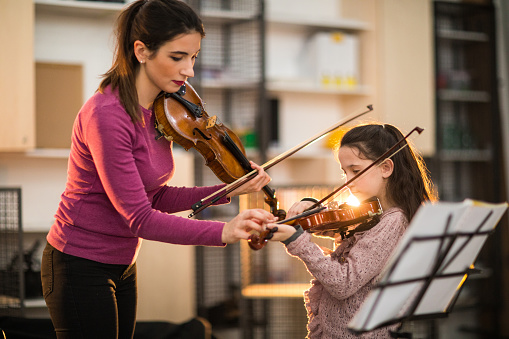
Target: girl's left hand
point(253, 185)
point(283, 231)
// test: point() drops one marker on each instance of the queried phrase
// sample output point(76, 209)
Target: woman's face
point(169, 67)
point(371, 183)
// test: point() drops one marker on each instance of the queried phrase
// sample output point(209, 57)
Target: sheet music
point(447, 233)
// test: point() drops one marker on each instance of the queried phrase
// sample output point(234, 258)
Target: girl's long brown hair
point(410, 184)
point(154, 22)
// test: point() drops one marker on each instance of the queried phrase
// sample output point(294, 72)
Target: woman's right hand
point(248, 220)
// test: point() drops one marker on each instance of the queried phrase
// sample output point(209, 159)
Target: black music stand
point(427, 269)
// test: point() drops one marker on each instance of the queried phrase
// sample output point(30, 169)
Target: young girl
point(343, 278)
point(116, 192)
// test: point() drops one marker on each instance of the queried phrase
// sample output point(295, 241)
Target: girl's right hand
point(298, 208)
point(248, 220)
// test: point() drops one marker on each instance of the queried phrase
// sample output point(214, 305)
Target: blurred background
point(276, 72)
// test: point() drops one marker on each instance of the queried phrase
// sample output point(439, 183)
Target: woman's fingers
point(262, 178)
point(255, 184)
point(248, 220)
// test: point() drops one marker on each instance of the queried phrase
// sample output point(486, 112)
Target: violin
point(181, 117)
point(339, 218)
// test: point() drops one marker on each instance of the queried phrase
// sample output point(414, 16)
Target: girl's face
point(370, 184)
point(169, 67)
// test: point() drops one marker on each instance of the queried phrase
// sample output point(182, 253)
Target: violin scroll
point(258, 241)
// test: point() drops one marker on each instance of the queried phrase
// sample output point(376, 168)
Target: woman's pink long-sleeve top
point(116, 192)
point(343, 279)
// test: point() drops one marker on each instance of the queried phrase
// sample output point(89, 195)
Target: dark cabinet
point(468, 118)
point(468, 163)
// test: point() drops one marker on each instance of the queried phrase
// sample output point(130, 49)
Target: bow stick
point(199, 206)
point(382, 158)
point(317, 207)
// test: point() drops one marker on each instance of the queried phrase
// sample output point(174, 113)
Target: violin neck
point(244, 162)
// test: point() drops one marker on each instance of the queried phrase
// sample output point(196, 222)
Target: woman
point(116, 192)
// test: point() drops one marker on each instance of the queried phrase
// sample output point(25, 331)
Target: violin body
point(181, 117)
point(196, 129)
point(342, 219)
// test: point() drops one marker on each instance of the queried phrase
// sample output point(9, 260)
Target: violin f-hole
point(201, 133)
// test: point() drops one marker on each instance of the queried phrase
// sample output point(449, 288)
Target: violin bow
point(214, 197)
point(317, 207)
point(387, 155)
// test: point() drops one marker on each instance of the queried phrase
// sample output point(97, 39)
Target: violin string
point(248, 176)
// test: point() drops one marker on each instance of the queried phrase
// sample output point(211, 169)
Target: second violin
point(341, 218)
point(332, 220)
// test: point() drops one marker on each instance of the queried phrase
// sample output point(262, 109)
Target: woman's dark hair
point(154, 22)
point(409, 185)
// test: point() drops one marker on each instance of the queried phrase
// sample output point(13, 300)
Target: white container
point(331, 59)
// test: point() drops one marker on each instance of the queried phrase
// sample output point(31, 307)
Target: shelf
point(229, 83)
point(263, 291)
point(98, 8)
point(78, 8)
point(463, 95)
point(318, 23)
point(28, 303)
point(309, 87)
point(9, 301)
point(54, 153)
point(226, 17)
point(462, 35)
point(304, 154)
point(35, 302)
point(465, 155)
point(63, 153)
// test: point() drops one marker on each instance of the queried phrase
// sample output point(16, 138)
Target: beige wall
point(405, 73)
point(397, 58)
point(166, 276)
point(17, 75)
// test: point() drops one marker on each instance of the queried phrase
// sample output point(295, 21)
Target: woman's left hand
point(253, 185)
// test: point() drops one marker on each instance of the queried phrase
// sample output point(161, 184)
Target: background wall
point(85, 39)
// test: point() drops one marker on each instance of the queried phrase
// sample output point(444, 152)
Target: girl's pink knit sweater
point(344, 277)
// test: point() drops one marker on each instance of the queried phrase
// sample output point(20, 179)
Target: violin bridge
point(211, 122)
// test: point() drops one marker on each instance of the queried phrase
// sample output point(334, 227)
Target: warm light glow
point(352, 200)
